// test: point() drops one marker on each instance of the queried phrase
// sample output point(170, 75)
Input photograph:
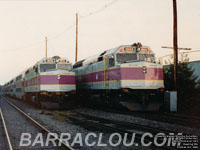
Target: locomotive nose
point(57, 81)
point(58, 76)
point(144, 69)
point(141, 76)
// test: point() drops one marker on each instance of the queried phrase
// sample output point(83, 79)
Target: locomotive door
point(106, 79)
point(35, 80)
point(109, 64)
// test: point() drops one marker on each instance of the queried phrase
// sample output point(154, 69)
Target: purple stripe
point(114, 74)
point(53, 79)
point(123, 74)
point(137, 74)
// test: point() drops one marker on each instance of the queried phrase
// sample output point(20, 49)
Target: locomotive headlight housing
point(138, 49)
point(58, 76)
point(144, 69)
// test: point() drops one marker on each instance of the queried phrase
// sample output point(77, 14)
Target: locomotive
point(49, 80)
point(127, 76)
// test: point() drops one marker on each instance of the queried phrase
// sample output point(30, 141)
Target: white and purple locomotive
point(127, 75)
point(48, 80)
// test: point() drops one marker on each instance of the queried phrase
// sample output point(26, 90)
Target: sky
point(103, 24)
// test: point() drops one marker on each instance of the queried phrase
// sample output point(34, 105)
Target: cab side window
point(111, 61)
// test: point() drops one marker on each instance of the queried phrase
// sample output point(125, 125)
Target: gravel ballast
point(141, 121)
point(48, 120)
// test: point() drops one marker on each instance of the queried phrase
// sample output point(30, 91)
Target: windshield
point(44, 67)
point(125, 57)
point(147, 57)
point(64, 66)
point(128, 57)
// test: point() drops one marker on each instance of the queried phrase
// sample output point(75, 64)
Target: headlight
point(144, 69)
point(58, 76)
point(138, 49)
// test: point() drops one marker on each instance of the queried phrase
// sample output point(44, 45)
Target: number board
point(128, 49)
point(146, 50)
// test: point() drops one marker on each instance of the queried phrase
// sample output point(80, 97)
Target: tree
point(187, 83)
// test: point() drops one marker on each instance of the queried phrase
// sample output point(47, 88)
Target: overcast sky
point(103, 24)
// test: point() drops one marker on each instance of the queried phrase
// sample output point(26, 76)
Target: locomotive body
point(127, 74)
point(19, 84)
point(48, 80)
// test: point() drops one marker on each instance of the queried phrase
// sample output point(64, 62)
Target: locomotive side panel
point(90, 77)
point(20, 86)
point(31, 81)
point(97, 77)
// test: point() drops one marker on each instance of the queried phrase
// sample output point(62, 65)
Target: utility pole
point(175, 43)
point(76, 55)
point(46, 47)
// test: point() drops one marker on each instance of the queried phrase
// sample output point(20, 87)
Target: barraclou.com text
point(92, 139)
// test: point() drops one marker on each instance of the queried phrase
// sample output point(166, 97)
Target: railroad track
point(112, 126)
point(4, 137)
point(18, 122)
point(184, 116)
point(187, 121)
point(128, 125)
point(194, 118)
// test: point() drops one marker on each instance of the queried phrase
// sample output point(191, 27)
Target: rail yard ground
point(79, 122)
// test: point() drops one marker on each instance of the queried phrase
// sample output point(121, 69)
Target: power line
point(192, 51)
point(26, 46)
point(59, 34)
point(180, 53)
point(177, 48)
point(99, 10)
point(105, 6)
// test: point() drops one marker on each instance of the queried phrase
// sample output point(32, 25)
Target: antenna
point(76, 55)
point(46, 47)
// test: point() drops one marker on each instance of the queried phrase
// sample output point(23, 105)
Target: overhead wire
point(94, 12)
point(99, 10)
point(105, 6)
point(193, 51)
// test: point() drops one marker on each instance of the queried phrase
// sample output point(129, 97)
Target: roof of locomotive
point(54, 58)
point(38, 62)
point(94, 58)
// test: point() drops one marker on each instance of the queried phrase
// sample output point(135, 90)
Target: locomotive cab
point(55, 75)
point(50, 80)
point(138, 69)
point(132, 71)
